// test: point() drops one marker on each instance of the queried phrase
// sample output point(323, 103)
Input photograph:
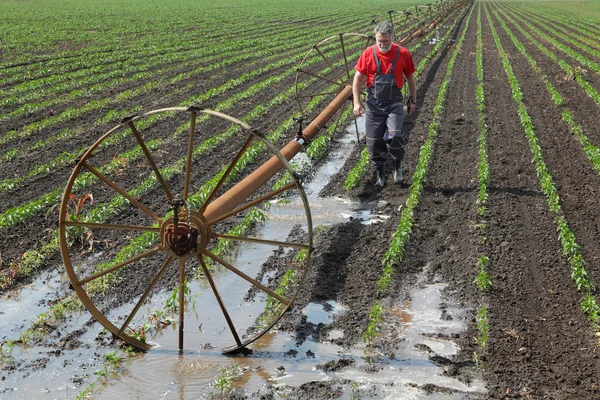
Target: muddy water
point(276, 360)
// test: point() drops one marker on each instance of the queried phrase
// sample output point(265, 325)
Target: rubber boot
point(380, 175)
point(398, 177)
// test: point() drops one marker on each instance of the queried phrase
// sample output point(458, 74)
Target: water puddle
point(276, 359)
point(317, 313)
point(35, 296)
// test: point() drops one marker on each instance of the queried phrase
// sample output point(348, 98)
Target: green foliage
point(590, 308)
point(318, 148)
point(6, 348)
point(393, 256)
point(483, 327)
point(376, 317)
point(358, 171)
point(552, 54)
point(225, 380)
point(566, 237)
point(172, 302)
point(483, 279)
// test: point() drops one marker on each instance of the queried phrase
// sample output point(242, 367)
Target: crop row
point(483, 279)
point(592, 151)
point(569, 70)
point(32, 260)
point(148, 87)
point(76, 63)
point(108, 73)
point(289, 57)
point(567, 35)
point(395, 253)
point(574, 28)
point(574, 54)
point(67, 157)
point(566, 237)
point(29, 32)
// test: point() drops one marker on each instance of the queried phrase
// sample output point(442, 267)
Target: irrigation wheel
point(161, 217)
point(415, 19)
point(327, 69)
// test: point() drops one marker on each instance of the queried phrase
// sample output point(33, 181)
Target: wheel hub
point(184, 235)
point(181, 238)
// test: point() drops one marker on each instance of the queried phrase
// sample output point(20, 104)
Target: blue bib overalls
point(384, 114)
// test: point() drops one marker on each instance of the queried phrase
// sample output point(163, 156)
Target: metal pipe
point(243, 189)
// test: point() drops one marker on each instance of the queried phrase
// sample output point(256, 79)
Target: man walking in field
point(383, 67)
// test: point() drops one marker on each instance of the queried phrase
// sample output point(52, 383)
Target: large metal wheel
point(161, 218)
point(327, 69)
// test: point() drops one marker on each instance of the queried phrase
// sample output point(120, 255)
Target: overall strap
point(395, 59)
point(377, 62)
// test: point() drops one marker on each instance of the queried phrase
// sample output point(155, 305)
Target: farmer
point(382, 66)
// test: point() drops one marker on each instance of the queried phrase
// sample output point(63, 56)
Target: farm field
point(475, 279)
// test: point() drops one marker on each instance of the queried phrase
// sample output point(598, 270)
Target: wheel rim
point(187, 234)
point(327, 69)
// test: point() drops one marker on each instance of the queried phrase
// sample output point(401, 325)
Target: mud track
point(540, 345)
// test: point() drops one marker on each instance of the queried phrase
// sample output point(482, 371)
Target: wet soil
point(540, 344)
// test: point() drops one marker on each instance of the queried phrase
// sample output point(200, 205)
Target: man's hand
point(357, 82)
point(358, 109)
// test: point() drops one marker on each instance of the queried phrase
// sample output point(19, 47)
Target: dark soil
point(540, 344)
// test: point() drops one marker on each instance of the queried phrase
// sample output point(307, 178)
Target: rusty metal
point(120, 190)
point(180, 237)
point(240, 192)
point(142, 144)
point(188, 233)
point(220, 301)
point(188, 164)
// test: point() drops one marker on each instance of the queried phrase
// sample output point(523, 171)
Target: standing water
point(276, 359)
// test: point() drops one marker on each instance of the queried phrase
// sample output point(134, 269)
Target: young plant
point(375, 318)
point(79, 234)
point(483, 279)
point(483, 327)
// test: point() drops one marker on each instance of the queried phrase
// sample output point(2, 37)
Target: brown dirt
point(540, 344)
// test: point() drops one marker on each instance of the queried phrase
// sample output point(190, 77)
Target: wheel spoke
point(181, 300)
point(141, 301)
point(246, 277)
point(188, 162)
point(336, 124)
point(261, 241)
point(252, 203)
point(324, 59)
point(318, 76)
point(403, 24)
point(112, 226)
point(121, 191)
point(356, 128)
point(219, 300)
point(150, 159)
point(119, 265)
point(344, 54)
point(216, 189)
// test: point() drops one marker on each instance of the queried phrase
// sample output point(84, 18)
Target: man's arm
point(359, 80)
point(412, 86)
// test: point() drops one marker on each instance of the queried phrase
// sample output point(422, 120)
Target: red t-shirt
point(366, 64)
